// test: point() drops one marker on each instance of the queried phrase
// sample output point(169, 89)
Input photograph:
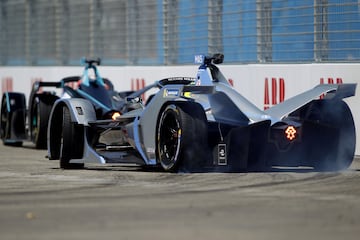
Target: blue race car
point(19, 123)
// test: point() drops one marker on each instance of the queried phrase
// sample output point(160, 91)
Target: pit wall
point(264, 85)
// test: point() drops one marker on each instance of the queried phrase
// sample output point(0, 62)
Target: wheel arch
point(81, 112)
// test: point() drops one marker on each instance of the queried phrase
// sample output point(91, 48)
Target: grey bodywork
point(220, 101)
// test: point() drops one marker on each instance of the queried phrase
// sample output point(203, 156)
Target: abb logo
point(331, 80)
point(277, 92)
point(6, 84)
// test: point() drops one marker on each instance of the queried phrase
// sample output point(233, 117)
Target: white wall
point(248, 79)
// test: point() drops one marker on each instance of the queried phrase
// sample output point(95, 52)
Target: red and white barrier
point(249, 80)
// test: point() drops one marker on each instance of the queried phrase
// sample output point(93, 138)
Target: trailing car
point(20, 123)
point(204, 124)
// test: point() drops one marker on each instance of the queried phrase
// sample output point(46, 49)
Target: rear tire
point(337, 139)
point(72, 142)
point(39, 122)
point(182, 138)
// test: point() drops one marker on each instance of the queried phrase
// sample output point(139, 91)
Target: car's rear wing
point(331, 91)
point(38, 84)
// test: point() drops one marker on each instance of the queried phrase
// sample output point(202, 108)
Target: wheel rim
point(169, 140)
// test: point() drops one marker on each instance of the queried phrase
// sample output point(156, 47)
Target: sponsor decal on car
point(171, 93)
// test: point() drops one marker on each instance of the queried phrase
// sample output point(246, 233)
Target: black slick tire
point(333, 135)
point(40, 117)
point(182, 138)
point(71, 144)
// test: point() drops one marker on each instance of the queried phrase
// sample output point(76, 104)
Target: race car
point(19, 123)
point(203, 124)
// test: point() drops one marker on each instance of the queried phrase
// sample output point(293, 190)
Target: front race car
point(203, 124)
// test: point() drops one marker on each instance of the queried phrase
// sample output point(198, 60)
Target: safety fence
point(171, 32)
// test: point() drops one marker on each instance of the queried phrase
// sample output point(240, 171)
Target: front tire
point(72, 142)
point(182, 137)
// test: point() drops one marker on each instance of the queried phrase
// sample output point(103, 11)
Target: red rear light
point(290, 133)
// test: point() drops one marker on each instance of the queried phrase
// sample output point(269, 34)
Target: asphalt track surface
point(40, 201)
